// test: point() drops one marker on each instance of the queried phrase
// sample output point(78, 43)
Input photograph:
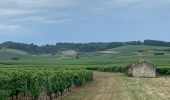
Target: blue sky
point(51, 21)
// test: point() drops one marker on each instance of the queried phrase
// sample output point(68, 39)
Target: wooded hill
point(80, 47)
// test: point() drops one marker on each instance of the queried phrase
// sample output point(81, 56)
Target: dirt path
point(116, 86)
point(105, 86)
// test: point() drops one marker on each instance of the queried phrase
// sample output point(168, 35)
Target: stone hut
point(141, 69)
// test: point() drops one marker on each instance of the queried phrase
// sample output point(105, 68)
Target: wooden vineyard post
point(26, 89)
point(46, 97)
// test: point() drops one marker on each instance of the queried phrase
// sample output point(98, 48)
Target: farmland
point(32, 82)
point(84, 50)
point(104, 86)
point(123, 56)
point(117, 86)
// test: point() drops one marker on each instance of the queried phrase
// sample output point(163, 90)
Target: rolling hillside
point(120, 56)
point(8, 54)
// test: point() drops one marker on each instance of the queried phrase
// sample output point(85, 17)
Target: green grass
point(118, 86)
point(123, 56)
point(147, 88)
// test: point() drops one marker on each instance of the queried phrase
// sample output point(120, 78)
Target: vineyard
point(29, 84)
point(159, 70)
point(46, 77)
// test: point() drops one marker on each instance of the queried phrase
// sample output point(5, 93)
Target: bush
point(111, 69)
point(77, 57)
point(166, 49)
point(107, 69)
point(159, 53)
point(141, 51)
point(15, 58)
point(163, 70)
point(91, 68)
point(159, 70)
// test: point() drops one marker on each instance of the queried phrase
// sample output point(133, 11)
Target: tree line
point(80, 47)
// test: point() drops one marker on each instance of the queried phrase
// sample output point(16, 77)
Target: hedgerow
point(163, 70)
point(159, 70)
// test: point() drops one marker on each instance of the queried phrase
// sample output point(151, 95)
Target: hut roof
point(139, 62)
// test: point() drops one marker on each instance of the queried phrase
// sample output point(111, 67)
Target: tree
point(15, 58)
point(77, 56)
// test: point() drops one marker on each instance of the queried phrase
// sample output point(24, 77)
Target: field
point(117, 86)
point(120, 56)
point(105, 86)
point(35, 81)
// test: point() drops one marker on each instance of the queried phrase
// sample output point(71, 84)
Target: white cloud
point(34, 10)
point(23, 12)
point(18, 7)
point(123, 2)
point(9, 28)
point(40, 20)
point(145, 3)
point(9, 12)
point(38, 3)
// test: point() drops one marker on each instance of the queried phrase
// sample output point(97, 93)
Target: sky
point(52, 21)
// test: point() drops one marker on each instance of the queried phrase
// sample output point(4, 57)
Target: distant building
point(141, 69)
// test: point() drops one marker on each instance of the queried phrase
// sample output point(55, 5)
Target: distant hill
point(129, 51)
point(119, 56)
point(6, 54)
point(78, 47)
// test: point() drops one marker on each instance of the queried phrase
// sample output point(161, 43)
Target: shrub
point(141, 51)
point(166, 49)
point(159, 70)
point(159, 53)
point(163, 70)
point(107, 69)
point(15, 58)
point(91, 68)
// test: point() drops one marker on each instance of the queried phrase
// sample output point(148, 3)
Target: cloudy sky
point(51, 21)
